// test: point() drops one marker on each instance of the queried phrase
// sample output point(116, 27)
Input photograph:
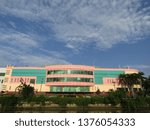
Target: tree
point(27, 91)
point(129, 80)
point(24, 89)
point(8, 103)
point(146, 86)
point(98, 92)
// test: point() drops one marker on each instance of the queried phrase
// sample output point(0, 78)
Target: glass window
point(2, 74)
point(70, 79)
point(6, 80)
point(2, 81)
point(32, 81)
point(70, 72)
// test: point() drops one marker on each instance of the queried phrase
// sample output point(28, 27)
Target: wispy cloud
point(141, 67)
point(78, 22)
point(11, 56)
point(18, 39)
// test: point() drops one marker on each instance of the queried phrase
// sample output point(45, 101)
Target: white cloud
point(141, 67)
point(17, 38)
point(78, 22)
point(12, 56)
point(12, 24)
point(25, 48)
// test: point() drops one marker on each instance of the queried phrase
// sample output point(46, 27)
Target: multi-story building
point(2, 74)
point(65, 78)
point(70, 78)
point(35, 76)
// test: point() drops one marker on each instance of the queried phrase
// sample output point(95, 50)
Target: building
point(70, 78)
point(35, 76)
point(65, 78)
point(2, 74)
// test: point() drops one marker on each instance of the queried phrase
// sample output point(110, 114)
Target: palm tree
point(24, 89)
point(129, 80)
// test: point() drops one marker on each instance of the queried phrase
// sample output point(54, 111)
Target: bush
point(8, 103)
point(40, 99)
point(139, 104)
point(82, 101)
point(97, 100)
point(27, 91)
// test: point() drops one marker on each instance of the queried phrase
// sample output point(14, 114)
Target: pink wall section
point(37, 68)
point(110, 80)
point(120, 69)
point(26, 79)
point(70, 84)
point(71, 67)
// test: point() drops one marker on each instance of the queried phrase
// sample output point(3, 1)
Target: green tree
point(24, 89)
point(146, 85)
point(8, 103)
point(27, 91)
point(129, 80)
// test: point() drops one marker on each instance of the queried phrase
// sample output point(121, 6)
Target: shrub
point(27, 91)
point(8, 103)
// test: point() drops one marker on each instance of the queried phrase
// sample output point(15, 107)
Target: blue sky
point(103, 33)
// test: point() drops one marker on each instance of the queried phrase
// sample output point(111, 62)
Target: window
point(6, 80)
point(32, 81)
point(67, 79)
point(2, 74)
point(7, 72)
point(2, 81)
point(18, 80)
point(70, 72)
point(14, 79)
point(11, 80)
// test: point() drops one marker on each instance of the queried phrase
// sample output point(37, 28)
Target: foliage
point(82, 101)
point(8, 103)
point(97, 100)
point(27, 91)
point(39, 99)
point(139, 104)
point(146, 86)
point(129, 80)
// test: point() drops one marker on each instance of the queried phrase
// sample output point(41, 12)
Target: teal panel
point(100, 74)
point(39, 74)
point(40, 80)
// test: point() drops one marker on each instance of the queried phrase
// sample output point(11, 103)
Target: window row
point(26, 80)
point(110, 81)
point(69, 89)
point(70, 72)
point(69, 79)
point(2, 74)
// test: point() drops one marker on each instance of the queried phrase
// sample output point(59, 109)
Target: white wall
point(2, 70)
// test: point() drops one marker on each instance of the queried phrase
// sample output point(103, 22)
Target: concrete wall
point(2, 72)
